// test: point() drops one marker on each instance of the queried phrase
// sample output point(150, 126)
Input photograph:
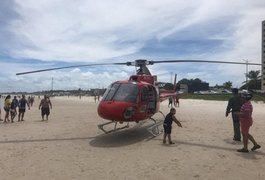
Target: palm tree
point(227, 85)
point(253, 75)
point(254, 80)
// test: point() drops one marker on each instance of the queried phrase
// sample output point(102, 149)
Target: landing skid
point(157, 127)
point(101, 127)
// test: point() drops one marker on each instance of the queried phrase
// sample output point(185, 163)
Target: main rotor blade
point(149, 62)
point(204, 61)
point(67, 67)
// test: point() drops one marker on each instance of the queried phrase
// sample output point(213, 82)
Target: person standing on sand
point(245, 116)
point(176, 102)
point(234, 105)
point(45, 105)
point(0, 107)
point(22, 107)
point(7, 106)
point(170, 117)
point(13, 109)
point(170, 100)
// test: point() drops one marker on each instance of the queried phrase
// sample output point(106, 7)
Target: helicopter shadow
point(132, 135)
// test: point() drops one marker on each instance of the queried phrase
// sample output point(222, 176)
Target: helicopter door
point(152, 100)
point(148, 100)
point(144, 100)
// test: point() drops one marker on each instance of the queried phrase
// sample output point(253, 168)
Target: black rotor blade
point(67, 67)
point(149, 62)
point(203, 61)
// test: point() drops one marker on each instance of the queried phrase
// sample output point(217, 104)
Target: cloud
point(52, 33)
point(82, 31)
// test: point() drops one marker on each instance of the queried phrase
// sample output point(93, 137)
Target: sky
point(53, 33)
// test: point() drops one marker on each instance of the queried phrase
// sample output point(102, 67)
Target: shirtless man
point(45, 105)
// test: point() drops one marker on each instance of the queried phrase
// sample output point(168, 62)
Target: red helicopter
point(137, 98)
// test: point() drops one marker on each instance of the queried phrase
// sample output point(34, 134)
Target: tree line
point(253, 83)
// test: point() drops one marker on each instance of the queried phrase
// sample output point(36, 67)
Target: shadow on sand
point(132, 135)
point(44, 140)
point(250, 155)
point(125, 137)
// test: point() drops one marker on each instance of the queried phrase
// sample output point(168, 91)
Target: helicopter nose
point(113, 110)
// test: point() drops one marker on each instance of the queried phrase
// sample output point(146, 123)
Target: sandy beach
point(70, 146)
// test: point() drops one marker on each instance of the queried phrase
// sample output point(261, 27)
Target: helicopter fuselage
point(131, 100)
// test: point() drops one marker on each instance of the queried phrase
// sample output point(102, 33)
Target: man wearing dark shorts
point(45, 105)
point(22, 107)
point(170, 117)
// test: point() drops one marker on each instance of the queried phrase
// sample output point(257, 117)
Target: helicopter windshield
point(121, 92)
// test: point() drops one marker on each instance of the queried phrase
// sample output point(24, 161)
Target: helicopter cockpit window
point(121, 92)
point(108, 95)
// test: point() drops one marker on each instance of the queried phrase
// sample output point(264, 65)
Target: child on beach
point(170, 117)
point(245, 116)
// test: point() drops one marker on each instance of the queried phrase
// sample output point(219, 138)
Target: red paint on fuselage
point(113, 110)
point(140, 94)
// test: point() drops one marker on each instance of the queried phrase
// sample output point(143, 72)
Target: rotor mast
point(141, 68)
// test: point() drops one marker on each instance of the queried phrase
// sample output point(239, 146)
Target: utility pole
point(246, 71)
point(52, 87)
point(171, 74)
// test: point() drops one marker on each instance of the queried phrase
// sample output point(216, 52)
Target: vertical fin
point(175, 83)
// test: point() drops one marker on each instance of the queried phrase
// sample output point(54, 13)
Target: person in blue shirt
point(22, 107)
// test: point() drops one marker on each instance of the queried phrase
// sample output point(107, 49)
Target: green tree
point(254, 81)
point(169, 86)
point(195, 84)
point(254, 75)
point(228, 85)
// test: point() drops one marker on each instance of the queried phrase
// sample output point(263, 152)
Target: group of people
point(175, 99)
point(241, 109)
point(31, 100)
point(96, 98)
point(11, 107)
